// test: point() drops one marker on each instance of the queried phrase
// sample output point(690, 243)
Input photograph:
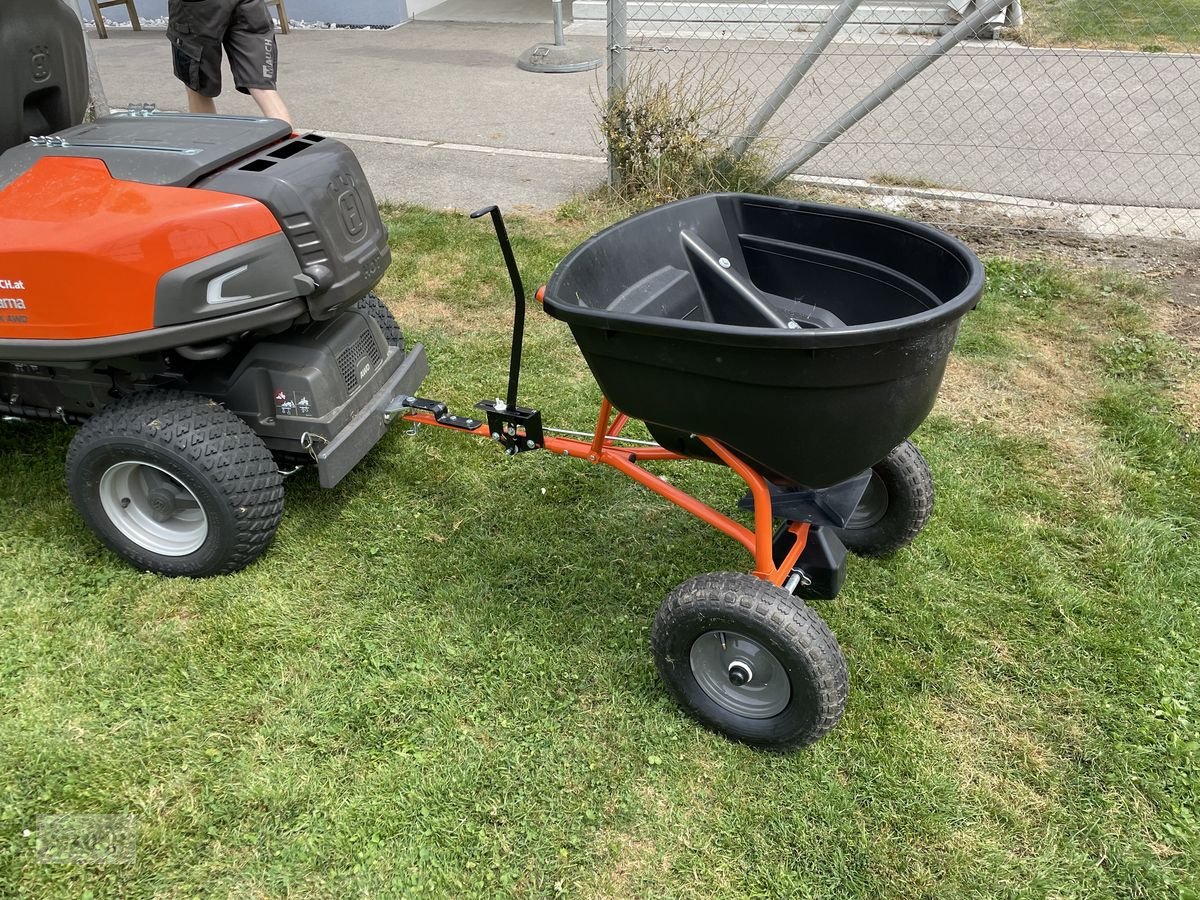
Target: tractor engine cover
point(320, 196)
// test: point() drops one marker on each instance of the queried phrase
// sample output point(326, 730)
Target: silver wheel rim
point(740, 674)
point(873, 505)
point(153, 509)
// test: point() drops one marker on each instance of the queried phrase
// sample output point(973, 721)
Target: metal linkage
point(436, 408)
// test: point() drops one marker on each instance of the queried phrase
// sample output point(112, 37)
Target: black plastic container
point(810, 339)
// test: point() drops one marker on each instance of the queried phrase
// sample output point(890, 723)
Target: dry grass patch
point(1188, 396)
point(992, 757)
point(1043, 394)
point(631, 858)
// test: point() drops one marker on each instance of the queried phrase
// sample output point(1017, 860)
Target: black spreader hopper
point(810, 339)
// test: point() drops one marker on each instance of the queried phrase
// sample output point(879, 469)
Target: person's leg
point(272, 105)
point(253, 57)
point(196, 31)
point(198, 103)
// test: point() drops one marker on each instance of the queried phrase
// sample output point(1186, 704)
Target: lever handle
point(514, 275)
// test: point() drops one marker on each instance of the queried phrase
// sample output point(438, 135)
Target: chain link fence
point(1079, 116)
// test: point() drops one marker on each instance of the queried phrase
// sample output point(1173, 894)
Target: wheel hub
point(740, 674)
point(872, 506)
point(161, 504)
point(153, 509)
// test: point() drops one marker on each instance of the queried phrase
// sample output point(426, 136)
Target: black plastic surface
point(823, 562)
point(832, 506)
point(43, 69)
point(256, 273)
point(318, 192)
point(363, 431)
point(810, 339)
point(158, 148)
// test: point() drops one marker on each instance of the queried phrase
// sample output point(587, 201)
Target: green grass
point(437, 683)
point(1153, 26)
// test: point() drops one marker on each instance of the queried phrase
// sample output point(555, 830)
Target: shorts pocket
point(186, 55)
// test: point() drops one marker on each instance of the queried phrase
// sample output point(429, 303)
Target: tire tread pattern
point(232, 456)
point(378, 310)
point(910, 494)
point(720, 595)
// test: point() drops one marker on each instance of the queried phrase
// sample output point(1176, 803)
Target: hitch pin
point(398, 407)
point(797, 579)
point(395, 408)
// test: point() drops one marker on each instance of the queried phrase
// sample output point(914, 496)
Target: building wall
point(343, 12)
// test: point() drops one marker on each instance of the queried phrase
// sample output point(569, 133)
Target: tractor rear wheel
point(175, 484)
point(378, 310)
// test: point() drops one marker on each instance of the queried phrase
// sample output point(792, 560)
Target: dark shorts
point(198, 29)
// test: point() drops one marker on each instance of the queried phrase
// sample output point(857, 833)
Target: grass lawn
point(437, 682)
point(1131, 24)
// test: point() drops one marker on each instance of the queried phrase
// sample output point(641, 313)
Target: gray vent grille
point(305, 238)
point(363, 353)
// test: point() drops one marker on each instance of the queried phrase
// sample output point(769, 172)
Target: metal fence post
point(985, 10)
point(837, 18)
point(618, 74)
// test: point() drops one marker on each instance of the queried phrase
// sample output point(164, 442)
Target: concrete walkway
point(438, 113)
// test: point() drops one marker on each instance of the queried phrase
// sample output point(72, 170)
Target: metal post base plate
point(558, 58)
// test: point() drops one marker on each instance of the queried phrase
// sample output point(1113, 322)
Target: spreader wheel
point(749, 660)
point(895, 507)
point(175, 484)
point(378, 310)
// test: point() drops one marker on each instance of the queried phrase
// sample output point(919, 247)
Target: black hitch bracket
point(440, 412)
point(517, 428)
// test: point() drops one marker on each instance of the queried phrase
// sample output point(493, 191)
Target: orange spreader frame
point(625, 459)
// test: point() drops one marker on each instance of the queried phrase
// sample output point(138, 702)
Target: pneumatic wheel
point(895, 507)
point(747, 659)
point(378, 310)
point(176, 484)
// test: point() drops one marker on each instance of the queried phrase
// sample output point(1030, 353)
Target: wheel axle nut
point(739, 673)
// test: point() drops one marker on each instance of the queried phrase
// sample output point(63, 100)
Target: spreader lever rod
point(514, 365)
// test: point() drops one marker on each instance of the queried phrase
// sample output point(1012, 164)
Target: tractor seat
point(43, 69)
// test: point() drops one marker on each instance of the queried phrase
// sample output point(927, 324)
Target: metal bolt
point(530, 444)
point(740, 673)
point(495, 435)
point(724, 262)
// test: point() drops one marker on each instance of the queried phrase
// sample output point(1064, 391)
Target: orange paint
point(618, 425)
point(625, 459)
point(88, 250)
